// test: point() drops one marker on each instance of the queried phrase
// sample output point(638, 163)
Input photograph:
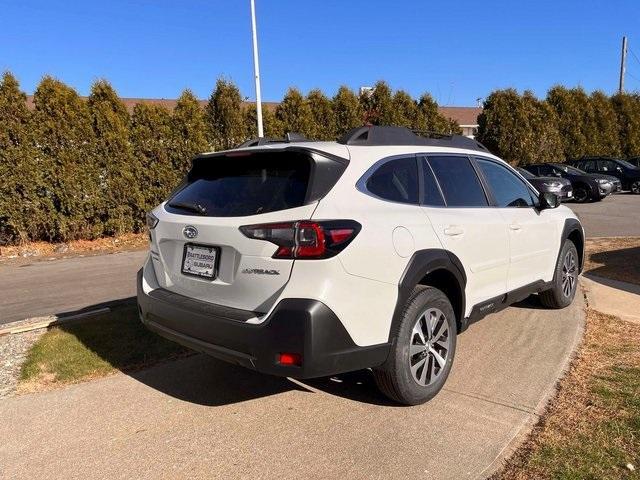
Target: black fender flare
point(422, 263)
point(573, 230)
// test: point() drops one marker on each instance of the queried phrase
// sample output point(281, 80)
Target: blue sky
point(458, 51)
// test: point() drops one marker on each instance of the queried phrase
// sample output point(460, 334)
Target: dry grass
point(44, 250)
point(617, 258)
point(591, 430)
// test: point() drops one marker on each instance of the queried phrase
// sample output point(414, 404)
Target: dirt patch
point(592, 427)
point(38, 251)
point(614, 258)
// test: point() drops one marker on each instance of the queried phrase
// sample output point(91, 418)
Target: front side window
point(396, 181)
point(458, 181)
point(606, 166)
point(508, 190)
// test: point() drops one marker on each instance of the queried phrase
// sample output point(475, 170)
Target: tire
point(412, 379)
point(635, 187)
point(565, 278)
point(581, 194)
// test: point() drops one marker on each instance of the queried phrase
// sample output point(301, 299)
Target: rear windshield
point(237, 186)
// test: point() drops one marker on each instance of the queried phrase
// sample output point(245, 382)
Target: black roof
point(374, 135)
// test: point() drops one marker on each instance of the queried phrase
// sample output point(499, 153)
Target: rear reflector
point(305, 239)
point(290, 359)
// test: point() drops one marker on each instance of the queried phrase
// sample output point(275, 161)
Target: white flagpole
point(256, 68)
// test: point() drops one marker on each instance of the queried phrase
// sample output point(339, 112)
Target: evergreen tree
point(347, 110)
point(570, 107)
point(119, 190)
point(604, 135)
point(627, 107)
point(543, 144)
point(225, 116)
point(151, 138)
point(404, 111)
point(378, 104)
point(189, 132)
point(323, 116)
point(429, 118)
point(21, 180)
point(271, 127)
point(295, 114)
point(503, 126)
point(66, 153)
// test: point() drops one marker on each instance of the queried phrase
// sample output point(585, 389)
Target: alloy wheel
point(429, 346)
point(580, 195)
point(635, 187)
point(569, 274)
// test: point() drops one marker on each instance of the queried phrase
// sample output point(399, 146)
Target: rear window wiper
point(192, 207)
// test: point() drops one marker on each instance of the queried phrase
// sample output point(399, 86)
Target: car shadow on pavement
point(204, 380)
point(621, 265)
point(196, 378)
point(532, 302)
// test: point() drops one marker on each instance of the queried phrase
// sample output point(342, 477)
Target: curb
point(36, 323)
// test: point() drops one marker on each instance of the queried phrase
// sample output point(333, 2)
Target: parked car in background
point(558, 185)
point(626, 172)
point(635, 161)
point(306, 259)
point(586, 187)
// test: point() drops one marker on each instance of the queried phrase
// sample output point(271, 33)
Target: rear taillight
point(305, 239)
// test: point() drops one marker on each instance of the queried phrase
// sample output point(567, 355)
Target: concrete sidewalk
point(200, 418)
point(613, 297)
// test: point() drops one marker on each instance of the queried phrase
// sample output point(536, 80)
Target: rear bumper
point(302, 326)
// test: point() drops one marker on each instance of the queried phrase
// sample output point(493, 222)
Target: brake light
point(305, 239)
point(290, 359)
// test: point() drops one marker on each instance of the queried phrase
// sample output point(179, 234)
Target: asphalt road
point(67, 285)
point(617, 215)
point(200, 418)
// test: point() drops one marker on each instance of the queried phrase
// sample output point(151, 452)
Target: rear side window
point(458, 180)
point(396, 181)
point(236, 186)
point(508, 190)
point(431, 195)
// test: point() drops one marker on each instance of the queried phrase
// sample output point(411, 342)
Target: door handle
point(515, 226)
point(453, 231)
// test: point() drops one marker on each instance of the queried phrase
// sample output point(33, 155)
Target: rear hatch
point(198, 249)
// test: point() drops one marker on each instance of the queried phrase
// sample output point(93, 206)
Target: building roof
point(463, 115)
point(467, 116)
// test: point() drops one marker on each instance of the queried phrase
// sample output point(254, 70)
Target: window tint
point(236, 187)
point(508, 190)
point(544, 171)
point(431, 195)
point(396, 180)
point(606, 166)
point(458, 181)
point(588, 166)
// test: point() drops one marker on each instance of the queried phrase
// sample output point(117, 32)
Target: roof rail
point(392, 135)
point(289, 138)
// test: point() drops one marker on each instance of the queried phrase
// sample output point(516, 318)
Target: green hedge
point(76, 168)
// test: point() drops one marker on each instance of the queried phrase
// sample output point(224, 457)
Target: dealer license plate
point(200, 260)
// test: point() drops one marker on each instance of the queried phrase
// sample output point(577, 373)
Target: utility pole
point(623, 65)
point(256, 69)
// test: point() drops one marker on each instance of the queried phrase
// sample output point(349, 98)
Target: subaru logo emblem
point(190, 232)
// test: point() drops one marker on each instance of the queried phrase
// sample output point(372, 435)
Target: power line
point(634, 55)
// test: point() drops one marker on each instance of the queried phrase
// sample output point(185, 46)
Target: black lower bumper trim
point(303, 326)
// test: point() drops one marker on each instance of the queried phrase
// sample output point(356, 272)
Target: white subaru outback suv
point(307, 259)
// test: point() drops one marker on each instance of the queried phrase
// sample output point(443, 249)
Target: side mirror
point(548, 200)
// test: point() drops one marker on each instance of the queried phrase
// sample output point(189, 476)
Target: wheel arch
point(573, 231)
point(437, 268)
